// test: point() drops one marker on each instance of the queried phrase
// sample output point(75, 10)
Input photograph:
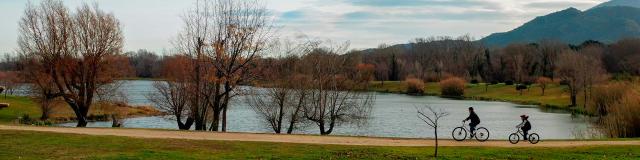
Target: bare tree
point(543, 83)
point(77, 50)
point(175, 95)
point(281, 102)
point(224, 38)
point(579, 72)
point(431, 118)
point(332, 97)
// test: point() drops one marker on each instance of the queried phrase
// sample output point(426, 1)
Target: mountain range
point(607, 23)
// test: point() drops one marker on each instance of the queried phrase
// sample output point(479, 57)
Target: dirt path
point(308, 139)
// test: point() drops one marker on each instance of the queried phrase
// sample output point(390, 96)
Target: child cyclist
point(525, 126)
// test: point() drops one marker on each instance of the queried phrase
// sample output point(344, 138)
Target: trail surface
point(307, 139)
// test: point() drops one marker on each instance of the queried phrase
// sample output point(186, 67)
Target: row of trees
point(433, 59)
point(77, 56)
point(316, 85)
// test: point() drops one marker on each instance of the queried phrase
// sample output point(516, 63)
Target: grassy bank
point(554, 97)
point(19, 106)
point(41, 145)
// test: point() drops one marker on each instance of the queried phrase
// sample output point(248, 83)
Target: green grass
point(42, 145)
point(554, 94)
point(18, 107)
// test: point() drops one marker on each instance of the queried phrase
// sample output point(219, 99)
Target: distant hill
point(627, 3)
point(607, 22)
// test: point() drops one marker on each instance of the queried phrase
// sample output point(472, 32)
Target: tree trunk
point(585, 96)
point(436, 133)
point(280, 116)
point(321, 125)
point(224, 119)
point(186, 125)
point(216, 121)
point(82, 121)
point(573, 98)
point(45, 110)
point(81, 113)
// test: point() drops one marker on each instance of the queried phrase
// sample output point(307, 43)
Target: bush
point(564, 82)
point(604, 96)
point(474, 81)
point(623, 117)
point(622, 77)
point(25, 119)
point(508, 82)
point(42, 123)
point(521, 87)
point(414, 86)
point(618, 106)
point(494, 82)
point(453, 86)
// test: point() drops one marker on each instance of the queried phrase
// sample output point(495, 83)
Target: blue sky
point(151, 24)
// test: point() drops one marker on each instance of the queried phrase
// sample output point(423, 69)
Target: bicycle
point(460, 133)
point(514, 138)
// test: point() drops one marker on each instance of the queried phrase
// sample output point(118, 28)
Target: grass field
point(42, 145)
point(20, 106)
point(554, 97)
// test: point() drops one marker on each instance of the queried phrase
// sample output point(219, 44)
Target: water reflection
point(393, 115)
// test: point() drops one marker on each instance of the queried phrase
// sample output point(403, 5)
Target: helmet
point(524, 116)
point(471, 108)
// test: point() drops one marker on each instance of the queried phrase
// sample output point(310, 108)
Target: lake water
point(393, 115)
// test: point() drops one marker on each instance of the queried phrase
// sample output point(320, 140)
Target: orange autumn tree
point(364, 74)
point(74, 50)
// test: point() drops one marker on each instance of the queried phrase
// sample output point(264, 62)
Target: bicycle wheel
point(459, 133)
point(514, 138)
point(534, 138)
point(482, 134)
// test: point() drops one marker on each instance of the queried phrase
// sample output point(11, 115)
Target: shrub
point(474, 81)
point(508, 82)
point(520, 87)
point(564, 82)
point(25, 119)
point(453, 86)
point(618, 106)
point(543, 82)
point(623, 117)
point(42, 123)
point(494, 82)
point(605, 96)
point(415, 86)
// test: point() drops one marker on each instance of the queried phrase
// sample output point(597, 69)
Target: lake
point(393, 115)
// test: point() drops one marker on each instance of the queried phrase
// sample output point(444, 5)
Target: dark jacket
point(526, 126)
point(473, 117)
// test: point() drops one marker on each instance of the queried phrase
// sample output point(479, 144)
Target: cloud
point(149, 24)
point(561, 4)
point(396, 3)
point(292, 15)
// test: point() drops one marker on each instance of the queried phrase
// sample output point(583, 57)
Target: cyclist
point(525, 126)
point(475, 120)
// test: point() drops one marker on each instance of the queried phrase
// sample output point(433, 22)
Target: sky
point(151, 24)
